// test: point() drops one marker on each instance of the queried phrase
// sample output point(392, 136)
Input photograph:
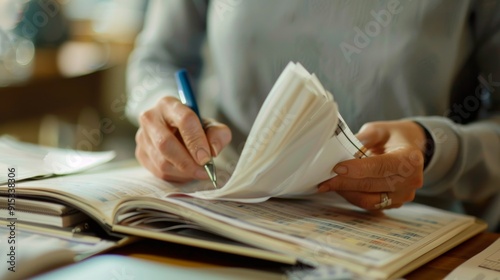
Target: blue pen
point(187, 98)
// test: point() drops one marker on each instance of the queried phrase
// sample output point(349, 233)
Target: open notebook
point(316, 230)
point(296, 140)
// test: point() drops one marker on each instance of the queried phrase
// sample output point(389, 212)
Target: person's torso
point(381, 60)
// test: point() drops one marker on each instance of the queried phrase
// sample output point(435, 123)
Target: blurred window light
point(16, 58)
point(81, 9)
point(10, 13)
point(111, 20)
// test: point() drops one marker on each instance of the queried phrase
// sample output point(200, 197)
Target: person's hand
point(172, 144)
point(394, 167)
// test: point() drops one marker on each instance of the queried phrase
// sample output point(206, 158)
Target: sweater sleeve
point(173, 33)
point(466, 160)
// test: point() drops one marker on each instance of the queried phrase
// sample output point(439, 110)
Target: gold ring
point(385, 201)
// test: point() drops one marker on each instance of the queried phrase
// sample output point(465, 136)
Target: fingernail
point(203, 156)
point(201, 174)
point(225, 137)
point(363, 142)
point(323, 188)
point(216, 148)
point(340, 170)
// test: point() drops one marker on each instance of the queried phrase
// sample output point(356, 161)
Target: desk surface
point(185, 256)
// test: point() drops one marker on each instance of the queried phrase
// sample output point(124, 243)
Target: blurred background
point(62, 72)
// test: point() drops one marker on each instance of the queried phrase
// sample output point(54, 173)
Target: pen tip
point(210, 168)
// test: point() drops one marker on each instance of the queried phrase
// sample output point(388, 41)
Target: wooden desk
point(444, 264)
point(185, 256)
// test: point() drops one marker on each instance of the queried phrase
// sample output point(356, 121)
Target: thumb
point(372, 135)
point(218, 135)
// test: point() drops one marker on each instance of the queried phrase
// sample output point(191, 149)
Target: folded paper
point(296, 140)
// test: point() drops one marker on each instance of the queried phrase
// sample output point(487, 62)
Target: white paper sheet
point(296, 140)
point(32, 160)
point(483, 266)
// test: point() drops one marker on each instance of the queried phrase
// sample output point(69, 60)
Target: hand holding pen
point(174, 145)
point(188, 98)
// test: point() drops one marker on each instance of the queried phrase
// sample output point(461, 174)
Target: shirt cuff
point(446, 151)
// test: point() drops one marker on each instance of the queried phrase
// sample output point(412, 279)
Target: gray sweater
point(382, 60)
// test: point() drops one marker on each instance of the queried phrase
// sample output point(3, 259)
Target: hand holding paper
point(297, 138)
point(394, 168)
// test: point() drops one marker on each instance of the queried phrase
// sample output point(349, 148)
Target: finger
point(154, 161)
point(403, 161)
point(366, 201)
point(164, 148)
point(170, 156)
point(190, 128)
point(370, 201)
point(140, 153)
point(388, 184)
point(143, 157)
point(372, 135)
point(218, 135)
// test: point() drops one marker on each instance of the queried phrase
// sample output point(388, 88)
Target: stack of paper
point(36, 253)
point(30, 160)
point(296, 140)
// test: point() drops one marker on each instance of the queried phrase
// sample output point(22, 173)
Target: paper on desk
point(32, 253)
point(32, 160)
point(296, 140)
point(484, 266)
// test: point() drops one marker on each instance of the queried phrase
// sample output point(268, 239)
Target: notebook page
point(101, 192)
point(339, 229)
